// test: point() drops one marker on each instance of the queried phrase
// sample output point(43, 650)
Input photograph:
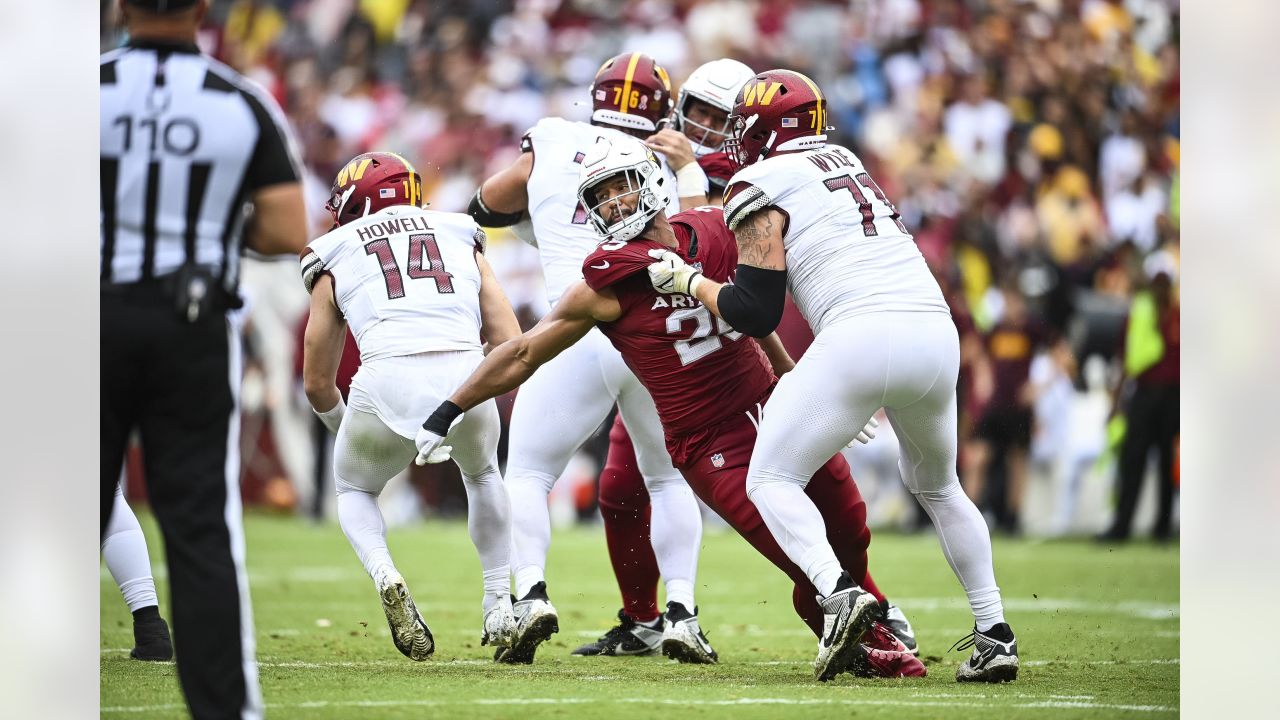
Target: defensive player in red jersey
point(708, 382)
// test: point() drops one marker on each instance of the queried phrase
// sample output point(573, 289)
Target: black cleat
point(994, 658)
point(627, 638)
point(151, 639)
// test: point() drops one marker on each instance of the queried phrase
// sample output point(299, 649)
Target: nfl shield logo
point(717, 460)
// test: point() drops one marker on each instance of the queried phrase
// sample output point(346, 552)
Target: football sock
point(798, 528)
point(530, 527)
point(362, 522)
point(676, 534)
point(626, 533)
point(124, 548)
point(489, 522)
point(966, 543)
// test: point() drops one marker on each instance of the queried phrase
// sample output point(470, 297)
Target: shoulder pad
point(740, 200)
point(312, 268)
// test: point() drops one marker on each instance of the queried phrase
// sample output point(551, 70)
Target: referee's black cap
point(162, 6)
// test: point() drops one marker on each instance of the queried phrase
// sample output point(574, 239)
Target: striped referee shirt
point(185, 143)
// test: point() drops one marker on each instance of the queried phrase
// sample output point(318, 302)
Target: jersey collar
point(159, 45)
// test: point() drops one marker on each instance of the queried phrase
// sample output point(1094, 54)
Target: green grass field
point(1097, 630)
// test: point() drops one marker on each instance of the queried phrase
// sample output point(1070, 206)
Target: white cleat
point(409, 631)
point(682, 638)
point(536, 621)
point(499, 624)
point(848, 613)
point(994, 658)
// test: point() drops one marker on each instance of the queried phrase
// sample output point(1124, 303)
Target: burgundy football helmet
point(777, 111)
point(371, 182)
point(631, 92)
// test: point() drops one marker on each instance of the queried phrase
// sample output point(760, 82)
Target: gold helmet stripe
point(626, 83)
point(821, 123)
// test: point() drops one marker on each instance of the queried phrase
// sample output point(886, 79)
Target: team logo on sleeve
point(718, 460)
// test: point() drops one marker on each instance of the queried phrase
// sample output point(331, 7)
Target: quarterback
point(419, 295)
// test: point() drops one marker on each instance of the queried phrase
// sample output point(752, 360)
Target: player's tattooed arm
point(759, 237)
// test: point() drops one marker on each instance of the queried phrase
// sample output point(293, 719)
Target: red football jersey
point(697, 368)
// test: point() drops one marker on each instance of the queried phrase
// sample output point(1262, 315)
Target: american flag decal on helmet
point(790, 122)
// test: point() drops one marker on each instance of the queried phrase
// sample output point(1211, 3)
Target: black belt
point(175, 290)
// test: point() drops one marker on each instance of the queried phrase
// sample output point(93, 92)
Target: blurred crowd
point(1032, 147)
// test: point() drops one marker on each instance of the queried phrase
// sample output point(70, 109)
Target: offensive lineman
point(709, 382)
point(419, 294)
point(808, 215)
point(558, 409)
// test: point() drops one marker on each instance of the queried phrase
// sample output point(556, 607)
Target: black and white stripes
point(186, 142)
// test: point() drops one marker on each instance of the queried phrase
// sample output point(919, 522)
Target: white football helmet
point(609, 158)
point(716, 83)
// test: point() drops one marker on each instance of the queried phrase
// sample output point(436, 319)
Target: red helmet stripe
point(626, 82)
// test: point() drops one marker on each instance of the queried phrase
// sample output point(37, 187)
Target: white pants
point(906, 363)
point(556, 411)
point(389, 399)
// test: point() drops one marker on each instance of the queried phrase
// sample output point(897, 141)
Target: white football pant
point(907, 363)
point(387, 403)
point(555, 411)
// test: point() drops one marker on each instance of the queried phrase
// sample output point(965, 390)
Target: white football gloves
point(431, 447)
point(867, 433)
point(671, 275)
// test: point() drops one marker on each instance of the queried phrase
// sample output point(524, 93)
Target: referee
point(197, 163)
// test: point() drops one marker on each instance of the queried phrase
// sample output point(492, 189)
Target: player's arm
point(501, 200)
point(778, 356)
point(753, 304)
point(497, 320)
point(691, 180)
point(322, 345)
point(515, 361)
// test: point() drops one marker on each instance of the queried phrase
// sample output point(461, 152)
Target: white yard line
point(1051, 703)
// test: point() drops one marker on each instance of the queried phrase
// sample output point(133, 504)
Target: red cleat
point(882, 655)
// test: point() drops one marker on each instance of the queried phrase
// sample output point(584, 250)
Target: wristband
point(442, 419)
point(691, 180)
point(332, 418)
point(693, 283)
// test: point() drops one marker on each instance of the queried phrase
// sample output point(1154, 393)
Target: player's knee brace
point(530, 478)
point(759, 477)
point(342, 487)
point(939, 495)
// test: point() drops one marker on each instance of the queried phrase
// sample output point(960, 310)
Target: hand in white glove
point(671, 275)
point(867, 433)
point(431, 448)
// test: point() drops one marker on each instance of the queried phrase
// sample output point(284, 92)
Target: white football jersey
point(562, 235)
point(405, 278)
point(847, 252)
